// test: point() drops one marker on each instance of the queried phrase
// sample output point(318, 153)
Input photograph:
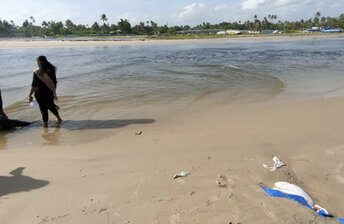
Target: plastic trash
point(295, 193)
point(181, 174)
point(277, 164)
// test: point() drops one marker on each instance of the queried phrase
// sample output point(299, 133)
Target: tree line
point(30, 28)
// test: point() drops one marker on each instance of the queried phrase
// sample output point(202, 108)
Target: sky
point(165, 12)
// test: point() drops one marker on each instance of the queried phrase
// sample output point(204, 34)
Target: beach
point(84, 42)
point(124, 174)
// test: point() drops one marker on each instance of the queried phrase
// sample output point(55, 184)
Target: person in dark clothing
point(6, 123)
point(44, 87)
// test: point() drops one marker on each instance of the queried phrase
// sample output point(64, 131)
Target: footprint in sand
point(226, 182)
point(174, 218)
point(340, 175)
point(134, 196)
point(222, 181)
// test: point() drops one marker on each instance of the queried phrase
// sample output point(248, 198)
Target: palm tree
point(69, 24)
point(142, 28)
point(95, 27)
point(273, 18)
point(316, 18)
point(26, 28)
point(323, 21)
point(256, 22)
point(266, 22)
point(32, 19)
point(124, 26)
point(103, 18)
point(317, 14)
point(13, 26)
point(45, 24)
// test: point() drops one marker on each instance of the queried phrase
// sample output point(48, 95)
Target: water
point(138, 84)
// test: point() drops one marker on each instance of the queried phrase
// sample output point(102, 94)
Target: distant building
point(314, 29)
point(271, 31)
point(253, 31)
point(205, 31)
point(222, 32)
point(332, 30)
point(233, 32)
point(229, 32)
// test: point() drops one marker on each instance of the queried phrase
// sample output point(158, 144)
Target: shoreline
point(9, 43)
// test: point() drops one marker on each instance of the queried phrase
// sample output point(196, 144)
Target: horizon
point(179, 12)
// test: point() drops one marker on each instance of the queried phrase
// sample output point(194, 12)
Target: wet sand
point(127, 177)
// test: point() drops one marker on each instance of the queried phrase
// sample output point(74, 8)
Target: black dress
point(44, 95)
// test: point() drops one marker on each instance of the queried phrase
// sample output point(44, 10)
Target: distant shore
point(139, 40)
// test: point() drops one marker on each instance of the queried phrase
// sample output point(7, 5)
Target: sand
point(127, 177)
point(6, 43)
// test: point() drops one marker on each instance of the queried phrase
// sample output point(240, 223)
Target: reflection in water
point(70, 132)
point(2, 141)
point(51, 135)
point(19, 182)
point(102, 124)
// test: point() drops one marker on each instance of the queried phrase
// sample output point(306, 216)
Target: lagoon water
point(115, 86)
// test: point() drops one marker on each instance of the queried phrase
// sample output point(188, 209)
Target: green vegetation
point(29, 27)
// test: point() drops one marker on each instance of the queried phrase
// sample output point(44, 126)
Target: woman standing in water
point(44, 87)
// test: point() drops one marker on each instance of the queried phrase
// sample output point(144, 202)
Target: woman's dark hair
point(46, 65)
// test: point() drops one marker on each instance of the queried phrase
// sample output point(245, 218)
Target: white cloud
point(221, 8)
point(198, 13)
point(130, 16)
point(291, 10)
point(286, 2)
point(251, 4)
point(276, 4)
point(63, 15)
point(135, 19)
point(191, 10)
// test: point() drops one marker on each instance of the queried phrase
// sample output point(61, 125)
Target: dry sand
point(81, 42)
point(126, 178)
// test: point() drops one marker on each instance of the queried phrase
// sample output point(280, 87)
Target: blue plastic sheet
point(276, 193)
point(301, 200)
